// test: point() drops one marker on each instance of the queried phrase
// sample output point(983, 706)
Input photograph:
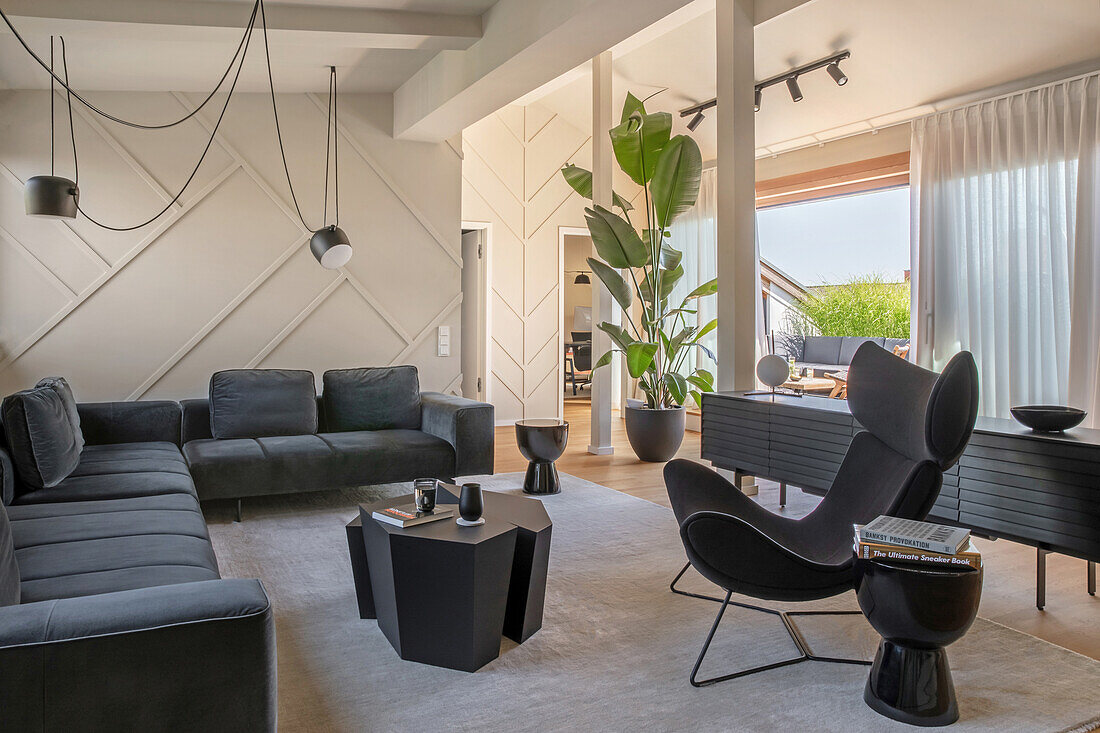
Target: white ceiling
point(905, 56)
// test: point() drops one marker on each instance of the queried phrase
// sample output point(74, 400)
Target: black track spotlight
point(757, 96)
point(838, 76)
point(792, 87)
point(695, 121)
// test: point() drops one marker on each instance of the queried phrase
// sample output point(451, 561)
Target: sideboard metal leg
point(1092, 578)
point(1041, 577)
point(782, 493)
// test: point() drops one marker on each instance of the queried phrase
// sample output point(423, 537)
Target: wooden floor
point(1071, 618)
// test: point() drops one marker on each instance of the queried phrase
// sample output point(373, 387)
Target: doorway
point(576, 315)
point(474, 353)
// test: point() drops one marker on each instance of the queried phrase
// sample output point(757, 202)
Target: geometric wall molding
point(224, 279)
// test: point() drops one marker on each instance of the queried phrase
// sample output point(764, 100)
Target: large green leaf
point(710, 287)
point(675, 182)
point(669, 278)
point(613, 281)
point(617, 333)
point(603, 360)
point(614, 239)
point(639, 358)
point(638, 142)
point(677, 387)
point(670, 256)
point(630, 106)
point(581, 181)
point(701, 383)
point(710, 326)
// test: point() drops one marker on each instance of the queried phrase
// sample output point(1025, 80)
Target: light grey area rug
point(616, 646)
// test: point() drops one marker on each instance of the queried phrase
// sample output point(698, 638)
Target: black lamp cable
point(328, 141)
point(213, 133)
point(52, 171)
point(69, 100)
point(55, 78)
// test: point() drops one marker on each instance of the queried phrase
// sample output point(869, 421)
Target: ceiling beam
point(213, 20)
point(529, 43)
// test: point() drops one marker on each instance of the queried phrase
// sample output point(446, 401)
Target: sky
point(832, 241)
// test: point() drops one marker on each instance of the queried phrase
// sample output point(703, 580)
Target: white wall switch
point(444, 341)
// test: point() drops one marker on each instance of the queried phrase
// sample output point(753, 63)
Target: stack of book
point(906, 540)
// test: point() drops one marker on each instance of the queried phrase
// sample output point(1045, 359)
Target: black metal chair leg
point(805, 653)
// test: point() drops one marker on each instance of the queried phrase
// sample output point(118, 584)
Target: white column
point(737, 287)
point(602, 305)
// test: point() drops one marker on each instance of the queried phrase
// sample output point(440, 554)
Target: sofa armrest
point(103, 423)
point(195, 656)
point(467, 425)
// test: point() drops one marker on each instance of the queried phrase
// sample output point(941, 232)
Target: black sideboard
point(1038, 489)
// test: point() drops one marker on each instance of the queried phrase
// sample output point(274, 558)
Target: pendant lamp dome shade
point(50, 197)
point(331, 247)
point(582, 279)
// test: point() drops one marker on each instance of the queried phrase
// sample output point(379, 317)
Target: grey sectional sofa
point(113, 614)
point(826, 354)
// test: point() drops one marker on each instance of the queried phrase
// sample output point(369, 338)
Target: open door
point(474, 316)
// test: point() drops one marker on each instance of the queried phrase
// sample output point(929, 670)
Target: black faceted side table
point(542, 441)
point(918, 610)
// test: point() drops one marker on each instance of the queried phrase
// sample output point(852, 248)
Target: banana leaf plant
point(660, 335)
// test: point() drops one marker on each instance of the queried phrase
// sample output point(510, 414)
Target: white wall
point(225, 278)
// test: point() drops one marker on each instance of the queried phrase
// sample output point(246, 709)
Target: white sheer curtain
point(1006, 237)
point(695, 233)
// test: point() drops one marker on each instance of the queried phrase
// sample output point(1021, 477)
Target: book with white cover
point(911, 533)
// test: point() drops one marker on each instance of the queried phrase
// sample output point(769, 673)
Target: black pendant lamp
point(582, 279)
point(330, 244)
point(52, 196)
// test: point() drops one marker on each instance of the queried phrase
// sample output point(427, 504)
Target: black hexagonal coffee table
point(444, 594)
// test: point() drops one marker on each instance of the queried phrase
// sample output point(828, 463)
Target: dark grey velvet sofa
point(113, 614)
point(368, 426)
point(827, 353)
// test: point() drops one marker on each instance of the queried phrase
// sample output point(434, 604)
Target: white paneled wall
point(225, 278)
point(511, 179)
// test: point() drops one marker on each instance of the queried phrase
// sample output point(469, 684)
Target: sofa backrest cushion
point(59, 385)
point(9, 570)
point(258, 403)
point(849, 344)
point(371, 398)
point(40, 436)
point(822, 350)
point(889, 344)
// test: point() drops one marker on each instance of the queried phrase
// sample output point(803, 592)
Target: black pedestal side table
point(542, 441)
point(918, 610)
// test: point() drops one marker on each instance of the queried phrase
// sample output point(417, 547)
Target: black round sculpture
point(918, 611)
point(1048, 418)
point(471, 505)
point(542, 441)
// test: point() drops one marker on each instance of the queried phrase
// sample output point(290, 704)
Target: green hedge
point(865, 306)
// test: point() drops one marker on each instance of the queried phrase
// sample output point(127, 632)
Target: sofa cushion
point(254, 403)
point(59, 385)
point(822, 350)
point(890, 344)
point(849, 344)
point(379, 456)
point(373, 398)
point(131, 458)
point(40, 436)
point(111, 486)
point(162, 502)
point(9, 569)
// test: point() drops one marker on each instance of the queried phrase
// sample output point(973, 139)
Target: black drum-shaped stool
point(542, 441)
point(918, 610)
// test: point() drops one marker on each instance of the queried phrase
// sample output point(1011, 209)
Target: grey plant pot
point(655, 435)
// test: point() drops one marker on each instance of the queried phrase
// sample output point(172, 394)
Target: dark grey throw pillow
point(257, 403)
point(65, 392)
point(371, 398)
point(40, 435)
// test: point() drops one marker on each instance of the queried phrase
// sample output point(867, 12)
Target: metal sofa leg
point(1091, 578)
point(1041, 577)
point(238, 518)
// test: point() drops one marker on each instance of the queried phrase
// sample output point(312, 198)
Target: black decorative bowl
point(1048, 418)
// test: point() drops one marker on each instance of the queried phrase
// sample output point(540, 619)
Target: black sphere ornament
point(471, 504)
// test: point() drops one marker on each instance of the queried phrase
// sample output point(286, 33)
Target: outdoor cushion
point(40, 436)
point(59, 385)
point(889, 344)
point(378, 398)
point(849, 344)
point(9, 570)
point(253, 403)
point(822, 350)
